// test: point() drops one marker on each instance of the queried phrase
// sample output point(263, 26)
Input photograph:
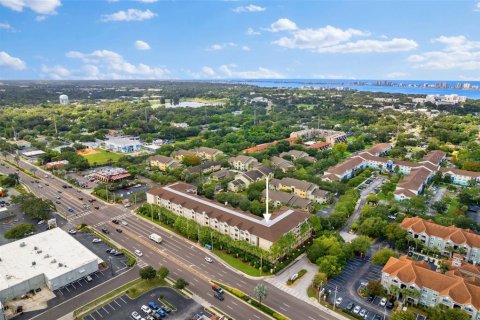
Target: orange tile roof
point(456, 235)
point(319, 145)
point(450, 284)
point(264, 146)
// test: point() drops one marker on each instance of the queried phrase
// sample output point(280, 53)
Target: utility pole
point(55, 124)
point(335, 299)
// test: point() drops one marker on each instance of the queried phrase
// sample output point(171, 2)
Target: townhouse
point(243, 163)
point(451, 289)
point(205, 168)
point(243, 180)
point(208, 153)
point(300, 188)
point(279, 198)
point(179, 154)
point(282, 164)
point(298, 154)
point(445, 239)
point(163, 163)
point(181, 199)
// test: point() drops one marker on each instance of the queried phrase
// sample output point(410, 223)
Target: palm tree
point(260, 292)
point(411, 293)
point(394, 291)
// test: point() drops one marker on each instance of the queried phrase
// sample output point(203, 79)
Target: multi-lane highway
point(183, 258)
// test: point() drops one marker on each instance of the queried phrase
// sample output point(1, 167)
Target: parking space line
point(111, 306)
point(105, 310)
point(122, 300)
point(117, 303)
point(99, 313)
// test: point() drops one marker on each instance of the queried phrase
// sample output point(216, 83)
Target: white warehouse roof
point(16, 264)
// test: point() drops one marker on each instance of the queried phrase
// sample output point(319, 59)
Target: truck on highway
point(155, 237)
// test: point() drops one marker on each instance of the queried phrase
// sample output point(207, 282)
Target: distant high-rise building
point(63, 99)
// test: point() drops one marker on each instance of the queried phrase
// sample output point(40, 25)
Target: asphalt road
point(183, 258)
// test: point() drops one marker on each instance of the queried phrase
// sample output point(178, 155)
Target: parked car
point(350, 306)
point(146, 309)
point(389, 305)
point(70, 210)
point(96, 240)
point(383, 302)
point(124, 223)
point(160, 312)
point(72, 231)
point(135, 315)
point(363, 312)
point(338, 301)
point(88, 279)
point(357, 309)
point(115, 221)
point(153, 305)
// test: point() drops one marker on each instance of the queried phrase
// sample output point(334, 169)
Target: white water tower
point(63, 99)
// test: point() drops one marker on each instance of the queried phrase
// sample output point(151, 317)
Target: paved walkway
point(299, 289)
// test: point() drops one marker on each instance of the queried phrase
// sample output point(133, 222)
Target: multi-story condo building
point(462, 177)
point(243, 163)
point(452, 289)
point(208, 153)
point(244, 179)
point(279, 198)
point(331, 136)
point(298, 154)
point(282, 164)
point(181, 199)
point(445, 239)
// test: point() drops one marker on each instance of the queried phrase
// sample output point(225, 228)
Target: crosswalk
point(281, 285)
point(118, 217)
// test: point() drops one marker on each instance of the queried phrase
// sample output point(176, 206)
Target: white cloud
point(129, 15)
point(396, 75)
point(330, 39)
point(208, 71)
point(229, 72)
point(142, 45)
point(6, 26)
point(57, 72)
point(40, 18)
point(457, 53)
point(111, 65)
point(249, 8)
point(477, 6)
point(252, 32)
point(38, 6)
point(246, 48)
point(11, 62)
point(282, 24)
point(221, 46)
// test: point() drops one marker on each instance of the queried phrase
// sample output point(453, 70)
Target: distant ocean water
point(404, 86)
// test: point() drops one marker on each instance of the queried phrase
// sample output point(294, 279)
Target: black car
point(219, 296)
point(377, 317)
point(389, 305)
point(350, 306)
point(118, 253)
point(370, 298)
point(119, 230)
point(115, 221)
point(64, 186)
point(105, 230)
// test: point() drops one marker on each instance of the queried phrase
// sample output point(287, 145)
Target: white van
point(155, 237)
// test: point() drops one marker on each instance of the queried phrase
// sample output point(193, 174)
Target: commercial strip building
point(445, 239)
point(122, 144)
point(50, 259)
point(181, 199)
point(56, 164)
point(457, 288)
point(111, 175)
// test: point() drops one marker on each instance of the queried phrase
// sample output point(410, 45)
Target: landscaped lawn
point(238, 264)
point(144, 286)
point(102, 157)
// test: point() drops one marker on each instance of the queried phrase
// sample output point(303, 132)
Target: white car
point(383, 302)
point(338, 301)
point(208, 259)
point(136, 316)
point(146, 309)
point(356, 310)
point(138, 253)
point(41, 222)
point(72, 231)
point(125, 223)
point(96, 240)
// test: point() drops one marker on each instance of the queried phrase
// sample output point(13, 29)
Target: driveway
point(299, 288)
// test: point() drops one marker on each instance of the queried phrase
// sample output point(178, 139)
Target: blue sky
point(148, 39)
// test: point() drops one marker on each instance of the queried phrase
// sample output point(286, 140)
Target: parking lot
point(19, 218)
point(118, 263)
point(356, 272)
point(122, 307)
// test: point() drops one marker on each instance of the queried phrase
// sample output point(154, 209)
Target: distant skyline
point(162, 39)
